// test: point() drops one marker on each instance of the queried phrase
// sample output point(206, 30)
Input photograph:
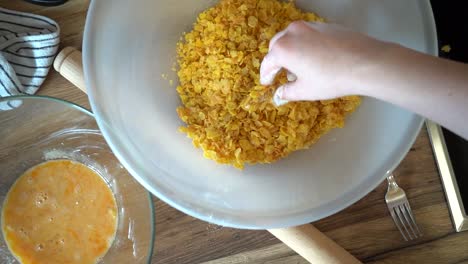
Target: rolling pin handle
point(313, 245)
point(69, 64)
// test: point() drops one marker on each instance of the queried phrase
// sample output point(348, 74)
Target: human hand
point(323, 61)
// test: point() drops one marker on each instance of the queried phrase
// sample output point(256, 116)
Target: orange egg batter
point(59, 211)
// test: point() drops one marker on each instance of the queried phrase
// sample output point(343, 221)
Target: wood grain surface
point(365, 228)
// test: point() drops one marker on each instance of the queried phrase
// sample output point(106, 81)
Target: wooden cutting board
point(365, 229)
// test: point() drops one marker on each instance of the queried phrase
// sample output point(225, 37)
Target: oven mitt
point(28, 45)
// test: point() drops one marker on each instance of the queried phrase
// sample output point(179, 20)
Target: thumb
point(290, 91)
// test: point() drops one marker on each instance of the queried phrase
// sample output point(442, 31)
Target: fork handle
point(391, 182)
point(313, 245)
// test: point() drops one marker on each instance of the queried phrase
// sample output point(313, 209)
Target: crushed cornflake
point(446, 48)
point(227, 112)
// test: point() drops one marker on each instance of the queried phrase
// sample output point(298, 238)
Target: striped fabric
point(28, 45)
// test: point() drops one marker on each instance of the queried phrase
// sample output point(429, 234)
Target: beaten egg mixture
point(59, 211)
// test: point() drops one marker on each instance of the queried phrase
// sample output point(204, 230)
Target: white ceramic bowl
point(130, 44)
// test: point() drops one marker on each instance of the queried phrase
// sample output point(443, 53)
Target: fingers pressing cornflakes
point(227, 112)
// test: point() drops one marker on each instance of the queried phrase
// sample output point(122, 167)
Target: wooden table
point(365, 228)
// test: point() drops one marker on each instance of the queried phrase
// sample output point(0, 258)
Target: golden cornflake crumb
point(227, 112)
point(446, 48)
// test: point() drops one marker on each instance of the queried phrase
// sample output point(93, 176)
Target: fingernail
point(278, 97)
point(291, 76)
point(268, 78)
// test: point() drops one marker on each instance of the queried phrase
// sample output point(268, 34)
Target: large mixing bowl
point(129, 45)
point(36, 129)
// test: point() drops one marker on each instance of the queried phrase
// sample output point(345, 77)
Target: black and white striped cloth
point(28, 45)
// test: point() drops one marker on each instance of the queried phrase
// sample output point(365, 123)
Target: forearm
point(432, 87)
point(330, 61)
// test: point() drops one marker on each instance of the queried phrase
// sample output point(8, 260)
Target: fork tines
point(404, 220)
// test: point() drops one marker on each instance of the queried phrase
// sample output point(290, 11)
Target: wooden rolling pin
point(313, 245)
point(69, 63)
point(306, 240)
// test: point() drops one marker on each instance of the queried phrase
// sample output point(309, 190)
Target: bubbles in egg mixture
point(41, 198)
point(77, 189)
point(21, 231)
point(30, 180)
point(39, 247)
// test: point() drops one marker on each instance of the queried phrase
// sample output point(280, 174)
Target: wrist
point(370, 71)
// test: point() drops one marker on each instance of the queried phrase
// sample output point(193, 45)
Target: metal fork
point(400, 210)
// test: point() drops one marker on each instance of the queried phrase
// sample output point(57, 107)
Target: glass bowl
point(35, 129)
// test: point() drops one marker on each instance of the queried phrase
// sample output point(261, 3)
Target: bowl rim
point(260, 223)
point(91, 114)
